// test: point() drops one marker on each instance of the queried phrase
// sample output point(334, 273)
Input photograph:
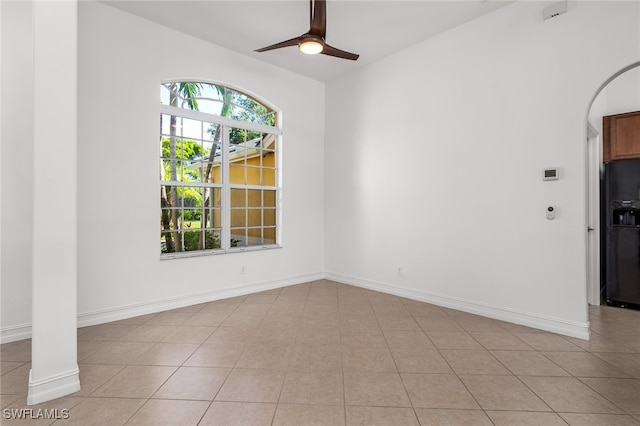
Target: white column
point(54, 365)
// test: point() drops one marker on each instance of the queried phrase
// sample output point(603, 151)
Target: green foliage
point(212, 241)
point(187, 90)
point(241, 107)
point(238, 136)
point(250, 110)
point(190, 193)
point(185, 149)
point(192, 215)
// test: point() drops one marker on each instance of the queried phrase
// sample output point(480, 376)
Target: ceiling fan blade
point(318, 9)
point(292, 42)
point(332, 51)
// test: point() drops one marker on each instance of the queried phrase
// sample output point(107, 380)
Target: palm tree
point(187, 91)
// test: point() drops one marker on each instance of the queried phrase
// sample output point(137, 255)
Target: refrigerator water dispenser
point(625, 213)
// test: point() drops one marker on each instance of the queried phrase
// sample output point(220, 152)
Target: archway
point(593, 170)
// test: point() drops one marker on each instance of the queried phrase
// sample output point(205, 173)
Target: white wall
point(122, 60)
point(436, 155)
point(17, 167)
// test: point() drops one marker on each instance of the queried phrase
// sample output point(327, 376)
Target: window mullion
point(225, 236)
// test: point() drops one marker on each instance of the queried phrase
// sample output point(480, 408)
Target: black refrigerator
point(621, 225)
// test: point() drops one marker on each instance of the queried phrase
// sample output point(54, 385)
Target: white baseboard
point(554, 325)
point(23, 331)
point(153, 306)
point(53, 387)
point(15, 332)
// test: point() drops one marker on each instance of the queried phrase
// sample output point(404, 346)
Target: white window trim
point(217, 119)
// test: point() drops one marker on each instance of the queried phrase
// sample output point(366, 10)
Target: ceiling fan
point(313, 42)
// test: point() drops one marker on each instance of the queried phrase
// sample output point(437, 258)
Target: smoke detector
point(554, 10)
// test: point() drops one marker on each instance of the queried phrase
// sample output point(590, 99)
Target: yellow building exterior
point(252, 165)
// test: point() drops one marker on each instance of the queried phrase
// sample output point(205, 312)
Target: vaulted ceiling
point(372, 28)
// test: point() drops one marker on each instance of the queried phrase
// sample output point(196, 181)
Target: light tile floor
point(324, 353)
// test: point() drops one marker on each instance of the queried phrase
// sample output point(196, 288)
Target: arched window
point(218, 170)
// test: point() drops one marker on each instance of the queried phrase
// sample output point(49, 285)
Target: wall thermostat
point(551, 173)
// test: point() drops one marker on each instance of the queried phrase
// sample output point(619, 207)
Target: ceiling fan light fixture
point(312, 42)
point(310, 46)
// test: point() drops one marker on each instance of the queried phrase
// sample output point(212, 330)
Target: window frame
point(226, 186)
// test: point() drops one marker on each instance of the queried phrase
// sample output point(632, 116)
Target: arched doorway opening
point(621, 100)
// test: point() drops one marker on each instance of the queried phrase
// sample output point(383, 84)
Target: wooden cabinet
point(621, 136)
